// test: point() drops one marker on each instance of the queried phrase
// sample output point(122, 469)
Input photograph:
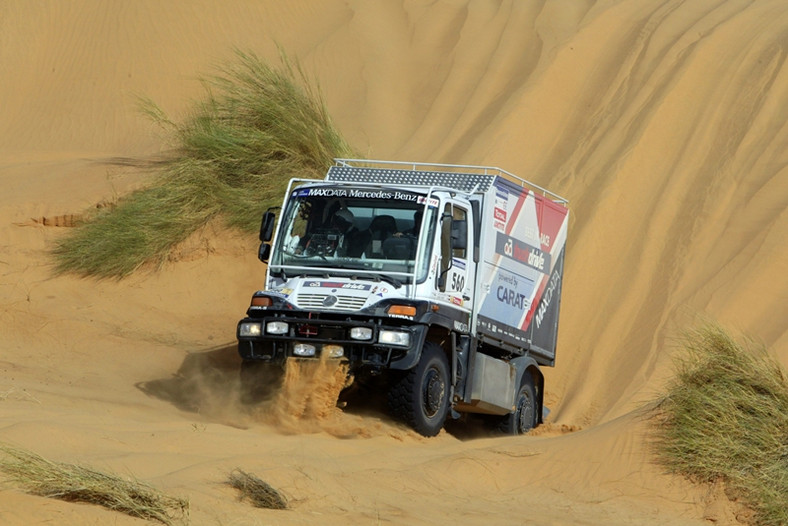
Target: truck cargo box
point(523, 238)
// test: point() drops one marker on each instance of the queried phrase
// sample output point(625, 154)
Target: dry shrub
point(725, 417)
point(73, 483)
point(256, 491)
point(258, 126)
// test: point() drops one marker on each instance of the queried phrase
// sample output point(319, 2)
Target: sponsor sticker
point(501, 196)
point(337, 285)
point(432, 201)
point(280, 293)
point(359, 193)
point(555, 280)
point(284, 292)
point(521, 252)
point(513, 290)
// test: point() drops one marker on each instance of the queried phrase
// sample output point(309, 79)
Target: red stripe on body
point(550, 218)
point(516, 212)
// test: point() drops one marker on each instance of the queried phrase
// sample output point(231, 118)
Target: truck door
point(456, 267)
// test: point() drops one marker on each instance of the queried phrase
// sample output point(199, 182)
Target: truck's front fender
point(413, 355)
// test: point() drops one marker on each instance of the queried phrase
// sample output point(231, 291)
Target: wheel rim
point(525, 410)
point(433, 391)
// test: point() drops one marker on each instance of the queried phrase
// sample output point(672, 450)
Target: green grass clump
point(725, 417)
point(74, 483)
point(256, 491)
point(258, 127)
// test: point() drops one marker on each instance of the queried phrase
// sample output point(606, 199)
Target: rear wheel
point(421, 396)
point(523, 419)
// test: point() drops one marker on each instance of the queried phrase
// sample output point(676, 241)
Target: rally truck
point(440, 284)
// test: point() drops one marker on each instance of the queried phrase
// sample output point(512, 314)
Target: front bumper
point(373, 343)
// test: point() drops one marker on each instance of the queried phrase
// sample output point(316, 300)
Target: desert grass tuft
point(257, 127)
point(256, 491)
point(725, 417)
point(74, 483)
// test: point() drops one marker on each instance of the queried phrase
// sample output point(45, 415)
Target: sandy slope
point(663, 122)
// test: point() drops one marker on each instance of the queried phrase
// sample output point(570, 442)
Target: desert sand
point(664, 123)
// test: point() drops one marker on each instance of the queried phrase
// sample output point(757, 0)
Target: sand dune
point(665, 124)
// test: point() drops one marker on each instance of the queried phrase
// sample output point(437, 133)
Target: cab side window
point(454, 245)
point(459, 233)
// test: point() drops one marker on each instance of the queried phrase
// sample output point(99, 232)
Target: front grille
point(318, 301)
point(319, 331)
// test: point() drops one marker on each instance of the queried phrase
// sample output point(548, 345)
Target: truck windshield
point(374, 231)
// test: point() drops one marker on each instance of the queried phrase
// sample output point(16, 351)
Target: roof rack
point(466, 178)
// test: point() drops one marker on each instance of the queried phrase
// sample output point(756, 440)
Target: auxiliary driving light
point(334, 351)
point(250, 329)
point(304, 349)
point(399, 338)
point(361, 333)
point(276, 327)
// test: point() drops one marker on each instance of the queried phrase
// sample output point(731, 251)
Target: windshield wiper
point(376, 276)
point(346, 271)
point(388, 279)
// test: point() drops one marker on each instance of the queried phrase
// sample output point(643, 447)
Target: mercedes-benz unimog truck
point(444, 281)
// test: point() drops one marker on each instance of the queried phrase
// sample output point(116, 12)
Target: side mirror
point(459, 234)
point(264, 252)
point(267, 226)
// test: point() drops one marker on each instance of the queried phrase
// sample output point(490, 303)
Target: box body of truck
point(443, 279)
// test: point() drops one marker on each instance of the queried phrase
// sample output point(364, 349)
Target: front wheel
point(523, 419)
point(421, 395)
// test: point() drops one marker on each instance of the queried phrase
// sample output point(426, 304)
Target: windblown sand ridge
point(664, 123)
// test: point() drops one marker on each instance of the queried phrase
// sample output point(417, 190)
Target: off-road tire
point(523, 419)
point(420, 396)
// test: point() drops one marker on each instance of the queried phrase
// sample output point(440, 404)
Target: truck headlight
point(398, 338)
point(276, 327)
point(250, 329)
point(361, 333)
point(304, 349)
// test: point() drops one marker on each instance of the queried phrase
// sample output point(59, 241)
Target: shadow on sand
point(208, 383)
point(204, 379)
